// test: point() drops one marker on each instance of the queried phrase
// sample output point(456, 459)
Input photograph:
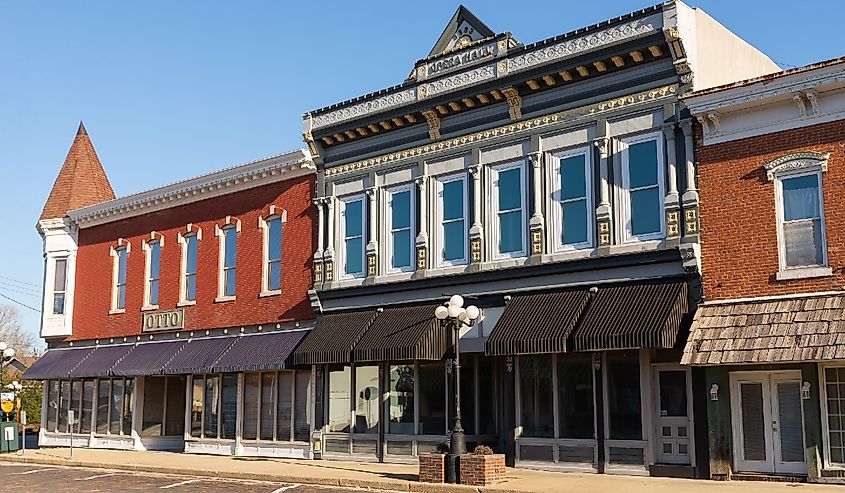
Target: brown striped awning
point(333, 337)
point(537, 323)
point(645, 314)
point(403, 333)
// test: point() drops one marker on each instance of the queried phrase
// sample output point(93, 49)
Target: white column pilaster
point(603, 210)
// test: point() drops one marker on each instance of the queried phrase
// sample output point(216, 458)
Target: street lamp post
point(457, 316)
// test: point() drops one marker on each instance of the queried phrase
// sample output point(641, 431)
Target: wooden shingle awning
point(802, 328)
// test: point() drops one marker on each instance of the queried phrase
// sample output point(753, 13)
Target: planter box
point(432, 468)
point(482, 470)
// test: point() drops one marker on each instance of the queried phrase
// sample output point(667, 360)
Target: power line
point(13, 290)
point(20, 282)
point(22, 288)
point(19, 303)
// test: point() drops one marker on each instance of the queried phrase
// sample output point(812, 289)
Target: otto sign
point(169, 320)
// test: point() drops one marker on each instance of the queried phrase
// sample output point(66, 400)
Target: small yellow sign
point(7, 406)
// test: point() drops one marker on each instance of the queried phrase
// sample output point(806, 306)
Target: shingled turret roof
point(81, 181)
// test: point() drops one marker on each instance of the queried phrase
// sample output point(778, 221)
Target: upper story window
point(352, 235)
point(800, 209)
point(272, 227)
point(401, 238)
point(229, 255)
point(642, 180)
point(59, 286)
point(119, 294)
point(572, 224)
point(189, 267)
point(509, 205)
point(153, 270)
point(451, 218)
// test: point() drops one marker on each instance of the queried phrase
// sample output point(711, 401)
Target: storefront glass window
point(174, 416)
point(268, 414)
point(53, 405)
point(536, 387)
point(432, 398)
point(116, 406)
point(284, 406)
point(339, 384)
point(487, 403)
point(128, 405)
point(303, 402)
point(64, 406)
point(103, 395)
point(211, 407)
point(575, 396)
point(196, 406)
point(153, 406)
point(468, 394)
point(835, 390)
point(250, 406)
point(76, 402)
point(623, 396)
point(229, 406)
point(366, 399)
point(87, 405)
point(401, 399)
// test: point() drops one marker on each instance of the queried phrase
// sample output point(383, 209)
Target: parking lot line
point(181, 483)
point(35, 470)
point(95, 477)
point(285, 488)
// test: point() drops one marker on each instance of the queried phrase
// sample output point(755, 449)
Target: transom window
point(401, 240)
point(800, 220)
point(352, 233)
point(153, 269)
point(642, 177)
point(273, 271)
point(509, 204)
point(573, 224)
point(59, 286)
point(119, 302)
point(189, 284)
point(230, 254)
point(451, 206)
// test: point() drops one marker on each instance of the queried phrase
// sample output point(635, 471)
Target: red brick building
point(771, 333)
point(169, 312)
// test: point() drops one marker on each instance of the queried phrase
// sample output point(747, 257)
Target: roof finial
point(81, 130)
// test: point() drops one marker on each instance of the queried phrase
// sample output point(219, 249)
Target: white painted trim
point(822, 393)
point(493, 211)
point(387, 228)
point(194, 231)
point(115, 254)
point(622, 151)
point(220, 233)
point(146, 246)
point(784, 268)
point(263, 225)
point(230, 180)
point(437, 231)
point(554, 204)
point(340, 273)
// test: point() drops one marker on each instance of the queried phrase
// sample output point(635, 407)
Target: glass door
point(674, 426)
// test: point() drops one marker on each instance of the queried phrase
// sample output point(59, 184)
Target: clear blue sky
point(169, 90)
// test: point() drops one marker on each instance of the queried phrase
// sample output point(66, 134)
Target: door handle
point(775, 426)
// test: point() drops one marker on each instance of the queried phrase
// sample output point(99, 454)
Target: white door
point(673, 423)
point(769, 423)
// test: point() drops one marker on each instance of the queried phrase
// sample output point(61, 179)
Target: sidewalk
point(391, 477)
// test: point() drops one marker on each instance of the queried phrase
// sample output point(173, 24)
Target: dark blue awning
point(259, 352)
point(56, 363)
point(148, 359)
point(198, 355)
point(100, 361)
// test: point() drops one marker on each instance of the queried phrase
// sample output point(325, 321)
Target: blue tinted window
point(121, 296)
point(402, 249)
point(573, 180)
point(642, 164)
point(230, 247)
point(191, 287)
point(155, 259)
point(274, 276)
point(453, 200)
point(353, 236)
point(274, 243)
point(574, 222)
point(354, 218)
point(510, 189)
point(121, 266)
point(400, 214)
point(229, 285)
point(800, 197)
point(400, 207)
point(454, 238)
point(510, 231)
point(354, 256)
point(191, 255)
point(645, 211)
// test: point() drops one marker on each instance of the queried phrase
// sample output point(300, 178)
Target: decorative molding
point(457, 81)
point(514, 103)
point(433, 122)
point(603, 145)
point(382, 103)
point(589, 42)
point(516, 128)
point(796, 161)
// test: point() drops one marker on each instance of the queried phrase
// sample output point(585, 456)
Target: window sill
point(266, 294)
point(223, 299)
point(147, 308)
point(186, 303)
point(803, 273)
point(117, 311)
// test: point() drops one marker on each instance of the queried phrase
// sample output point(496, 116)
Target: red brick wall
point(93, 289)
point(739, 246)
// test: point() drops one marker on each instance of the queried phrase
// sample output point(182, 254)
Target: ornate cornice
point(796, 161)
point(376, 105)
point(515, 128)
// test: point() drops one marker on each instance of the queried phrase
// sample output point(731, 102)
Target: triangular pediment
point(462, 29)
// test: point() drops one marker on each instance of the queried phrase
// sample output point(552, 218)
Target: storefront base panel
point(208, 447)
point(672, 471)
point(560, 467)
point(288, 451)
point(63, 440)
point(161, 443)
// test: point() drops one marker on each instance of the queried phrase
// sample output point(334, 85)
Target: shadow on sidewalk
point(326, 465)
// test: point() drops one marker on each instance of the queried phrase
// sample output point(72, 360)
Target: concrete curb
point(386, 485)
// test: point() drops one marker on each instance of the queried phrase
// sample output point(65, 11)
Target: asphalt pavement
point(24, 478)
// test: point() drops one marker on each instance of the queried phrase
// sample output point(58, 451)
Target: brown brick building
point(771, 333)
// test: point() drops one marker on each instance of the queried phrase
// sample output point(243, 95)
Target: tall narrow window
point(509, 204)
point(153, 269)
point(274, 254)
point(642, 176)
point(190, 273)
point(573, 184)
point(120, 280)
point(59, 286)
point(352, 221)
point(452, 212)
point(401, 229)
point(801, 224)
point(230, 251)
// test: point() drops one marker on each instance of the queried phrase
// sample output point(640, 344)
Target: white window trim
point(146, 246)
point(387, 228)
point(63, 291)
point(822, 393)
point(438, 240)
point(183, 263)
point(114, 252)
point(556, 207)
point(624, 143)
point(264, 226)
point(220, 233)
point(494, 211)
point(803, 271)
point(341, 236)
